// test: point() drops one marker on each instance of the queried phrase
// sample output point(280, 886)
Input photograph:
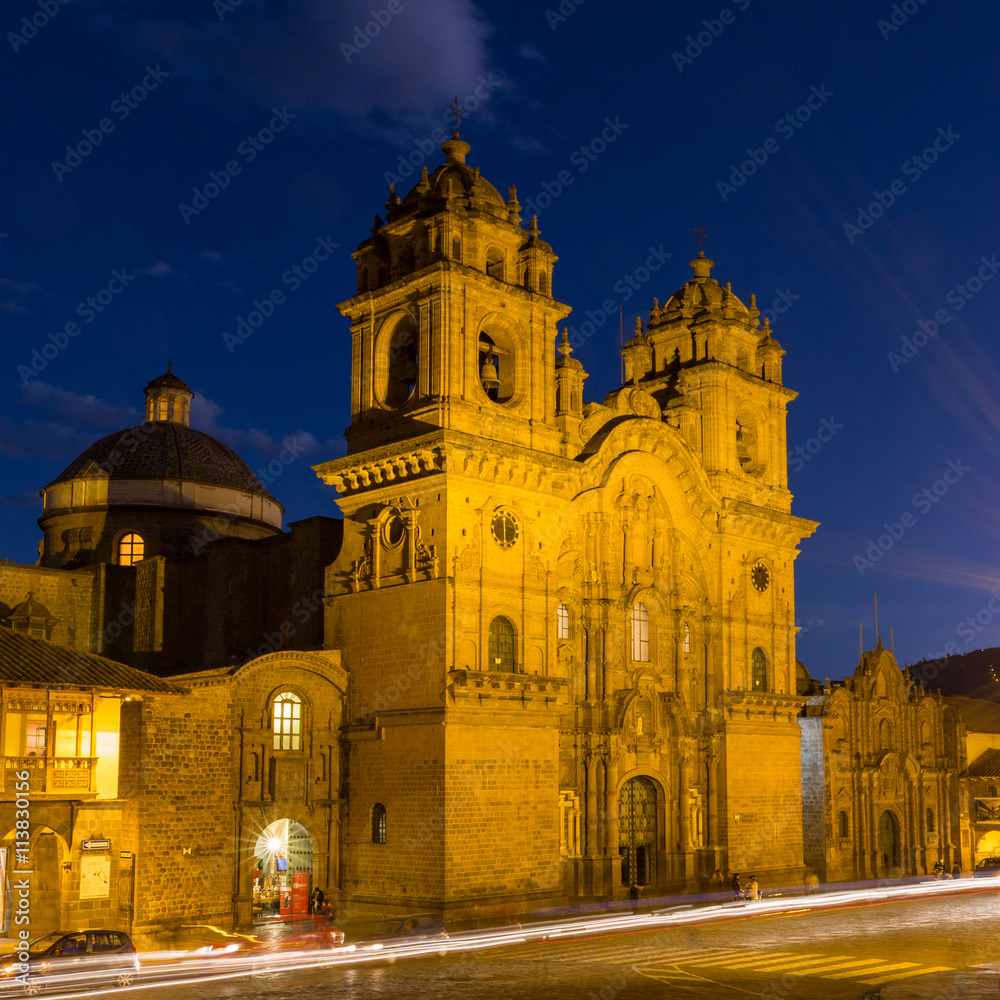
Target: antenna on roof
point(621, 341)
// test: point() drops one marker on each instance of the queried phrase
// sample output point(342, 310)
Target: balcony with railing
point(51, 775)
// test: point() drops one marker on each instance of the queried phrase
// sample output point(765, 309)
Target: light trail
point(160, 969)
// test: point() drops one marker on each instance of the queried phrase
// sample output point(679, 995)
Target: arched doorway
point(283, 872)
point(888, 842)
point(637, 831)
point(50, 855)
point(988, 846)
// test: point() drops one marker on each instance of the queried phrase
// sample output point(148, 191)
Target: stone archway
point(889, 856)
point(988, 846)
point(637, 826)
point(50, 883)
point(283, 875)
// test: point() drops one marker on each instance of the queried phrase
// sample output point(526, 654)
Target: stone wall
point(814, 811)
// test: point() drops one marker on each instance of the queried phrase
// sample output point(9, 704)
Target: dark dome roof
point(164, 450)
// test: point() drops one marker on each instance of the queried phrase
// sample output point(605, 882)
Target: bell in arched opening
point(488, 377)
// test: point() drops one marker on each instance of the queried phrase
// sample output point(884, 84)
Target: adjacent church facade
point(547, 653)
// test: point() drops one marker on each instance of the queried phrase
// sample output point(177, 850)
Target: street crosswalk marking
point(649, 951)
point(882, 969)
point(906, 975)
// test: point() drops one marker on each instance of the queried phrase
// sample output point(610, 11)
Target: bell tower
point(453, 323)
point(716, 373)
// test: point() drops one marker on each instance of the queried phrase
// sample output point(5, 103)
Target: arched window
point(456, 249)
point(503, 649)
point(527, 280)
point(543, 281)
point(378, 823)
point(758, 670)
point(494, 263)
point(130, 549)
point(562, 622)
point(640, 633)
point(287, 721)
point(991, 792)
point(687, 638)
point(407, 261)
point(843, 824)
point(885, 734)
point(930, 820)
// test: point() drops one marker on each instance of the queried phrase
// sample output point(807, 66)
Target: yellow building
point(569, 627)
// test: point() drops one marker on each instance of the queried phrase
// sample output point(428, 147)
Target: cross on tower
point(458, 111)
point(701, 238)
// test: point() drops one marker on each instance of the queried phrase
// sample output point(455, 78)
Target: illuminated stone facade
point(881, 760)
point(570, 628)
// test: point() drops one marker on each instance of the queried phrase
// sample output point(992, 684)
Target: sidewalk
point(968, 984)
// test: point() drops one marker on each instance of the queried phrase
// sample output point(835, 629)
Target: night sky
point(166, 165)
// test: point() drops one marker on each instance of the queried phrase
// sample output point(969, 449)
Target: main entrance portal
point(888, 842)
point(283, 870)
point(637, 826)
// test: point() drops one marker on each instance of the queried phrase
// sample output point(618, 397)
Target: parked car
point(402, 931)
point(67, 958)
point(988, 867)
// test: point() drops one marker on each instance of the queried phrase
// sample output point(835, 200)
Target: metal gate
point(637, 826)
point(126, 895)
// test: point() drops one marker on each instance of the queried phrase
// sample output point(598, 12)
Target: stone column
point(922, 823)
point(683, 808)
point(713, 797)
point(607, 653)
point(592, 759)
point(611, 805)
point(591, 638)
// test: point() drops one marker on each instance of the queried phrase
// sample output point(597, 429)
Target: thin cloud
point(316, 54)
point(75, 410)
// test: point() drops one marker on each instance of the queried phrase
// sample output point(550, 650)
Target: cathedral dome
point(160, 488)
point(455, 179)
point(704, 294)
point(163, 450)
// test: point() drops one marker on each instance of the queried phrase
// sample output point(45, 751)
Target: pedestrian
point(753, 888)
point(939, 869)
point(716, 880)
point(633, 894)
point(317, 900)
point(956, 870)
point(812, 881)
point(737, 889)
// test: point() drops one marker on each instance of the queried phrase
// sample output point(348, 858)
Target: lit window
point(502, 645)
point(130, 550)
point(640, 633)
point(562, 622)
point(378, 823)
point(687, 638)
point(287, 721)
point(34, 739)
point(758, 677)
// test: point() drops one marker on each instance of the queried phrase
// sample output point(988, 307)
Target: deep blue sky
point(549, 83)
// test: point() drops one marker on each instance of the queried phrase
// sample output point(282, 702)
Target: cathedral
point(548, 652)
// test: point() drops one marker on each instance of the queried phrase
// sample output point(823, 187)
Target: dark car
point(988, 867)
point(400, 932)
point(73, 958)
